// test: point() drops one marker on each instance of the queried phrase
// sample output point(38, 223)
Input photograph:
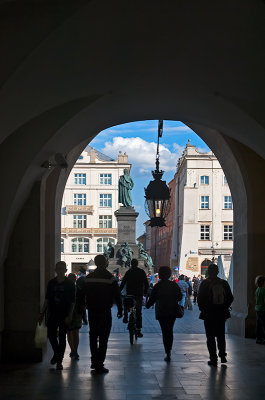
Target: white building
point(89, 202)
point(203, 227)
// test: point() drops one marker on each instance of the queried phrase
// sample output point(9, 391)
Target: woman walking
point(165, 295)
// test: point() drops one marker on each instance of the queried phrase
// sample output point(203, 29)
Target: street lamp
point(157, 193)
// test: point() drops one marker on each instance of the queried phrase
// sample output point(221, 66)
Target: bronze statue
point(125, 186)
point(125, 255)
point(147, 259)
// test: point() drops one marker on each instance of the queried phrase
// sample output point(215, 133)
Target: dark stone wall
point(22, 283)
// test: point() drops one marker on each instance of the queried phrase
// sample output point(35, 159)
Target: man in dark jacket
point(214, 300)
point(100, 289)
point(137, 285)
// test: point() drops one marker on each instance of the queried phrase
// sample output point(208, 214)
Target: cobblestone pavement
point(190, 323)
point(139, 372)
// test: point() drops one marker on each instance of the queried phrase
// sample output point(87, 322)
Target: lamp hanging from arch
point(157, 193)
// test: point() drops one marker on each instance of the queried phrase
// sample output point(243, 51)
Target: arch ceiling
point(74, 68)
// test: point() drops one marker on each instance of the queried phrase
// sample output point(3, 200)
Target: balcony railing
point(91, 231)
point(79, 209)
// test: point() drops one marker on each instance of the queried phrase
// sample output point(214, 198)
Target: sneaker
point(53, 360)
point(168, 357)
point(125, 320)
point(212, 363)
point(139, 333)
point(223, 359)
point(59, 366)
point(101, 370)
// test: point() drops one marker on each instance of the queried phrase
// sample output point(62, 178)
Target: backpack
point(217, 292)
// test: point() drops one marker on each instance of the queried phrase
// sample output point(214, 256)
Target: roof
point(100, 155)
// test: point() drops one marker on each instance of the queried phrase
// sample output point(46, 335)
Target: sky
point(139, 141)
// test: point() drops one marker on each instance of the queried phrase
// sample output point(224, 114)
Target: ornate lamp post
point(157, 193)
point(213, 254)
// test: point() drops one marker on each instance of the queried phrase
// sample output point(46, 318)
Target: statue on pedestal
point(109, 251)
point(125, 186)
point(125, 255)
point(147, 259)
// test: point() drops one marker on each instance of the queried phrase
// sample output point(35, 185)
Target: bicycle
point(129, 302)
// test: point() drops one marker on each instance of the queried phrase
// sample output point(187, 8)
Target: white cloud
point(142, 154)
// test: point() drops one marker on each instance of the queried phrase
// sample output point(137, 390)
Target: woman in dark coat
point(166, 294)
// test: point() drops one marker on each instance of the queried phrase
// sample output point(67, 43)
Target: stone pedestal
point(126, 220)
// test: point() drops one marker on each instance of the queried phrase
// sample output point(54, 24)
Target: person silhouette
point(100, 289)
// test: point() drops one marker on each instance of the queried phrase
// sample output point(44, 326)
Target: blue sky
point(138, 140)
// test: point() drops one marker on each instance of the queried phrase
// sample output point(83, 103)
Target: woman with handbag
point(165, 295)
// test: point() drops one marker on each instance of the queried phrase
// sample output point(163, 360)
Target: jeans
point(167, 325)
point(100, 326)
point(182, 301)
point(58, 344)
point(188, 303)
point(215, 328)
point(260, 325)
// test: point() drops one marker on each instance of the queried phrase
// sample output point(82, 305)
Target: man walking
point(100, 288)
point(137, 285)
point(214, 299)
point(60, 302)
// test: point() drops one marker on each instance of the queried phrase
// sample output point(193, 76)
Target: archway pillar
point(23, 284)
point(250, 244)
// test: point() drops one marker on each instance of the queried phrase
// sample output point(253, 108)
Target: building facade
point(203, 228)
point(161, 238)
point(90, 199)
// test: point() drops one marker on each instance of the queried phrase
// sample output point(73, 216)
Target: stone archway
point(81, 69)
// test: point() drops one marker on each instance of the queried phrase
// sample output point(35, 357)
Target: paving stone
point(139, 372)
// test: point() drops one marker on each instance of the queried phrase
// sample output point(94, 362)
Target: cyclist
point(137, 285)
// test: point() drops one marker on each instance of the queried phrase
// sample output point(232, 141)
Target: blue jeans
point(182, 301)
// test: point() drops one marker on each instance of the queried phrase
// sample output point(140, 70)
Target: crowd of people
point(88, 298)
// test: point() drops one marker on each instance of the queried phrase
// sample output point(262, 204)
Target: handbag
point(179, 311)
point(40, 338)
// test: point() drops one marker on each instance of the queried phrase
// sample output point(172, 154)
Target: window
point(105, 221)
point(79, 199)
point(228, 202)
point(103, 242)
point(105, 200)
point(80, 179)
point(204, 180)
point(79, 221)
point(80, 245)
point(205, 232)
point(62, 245)
point(204, 202)
point(105, 179)
point(225, 180)
point(228, 232)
